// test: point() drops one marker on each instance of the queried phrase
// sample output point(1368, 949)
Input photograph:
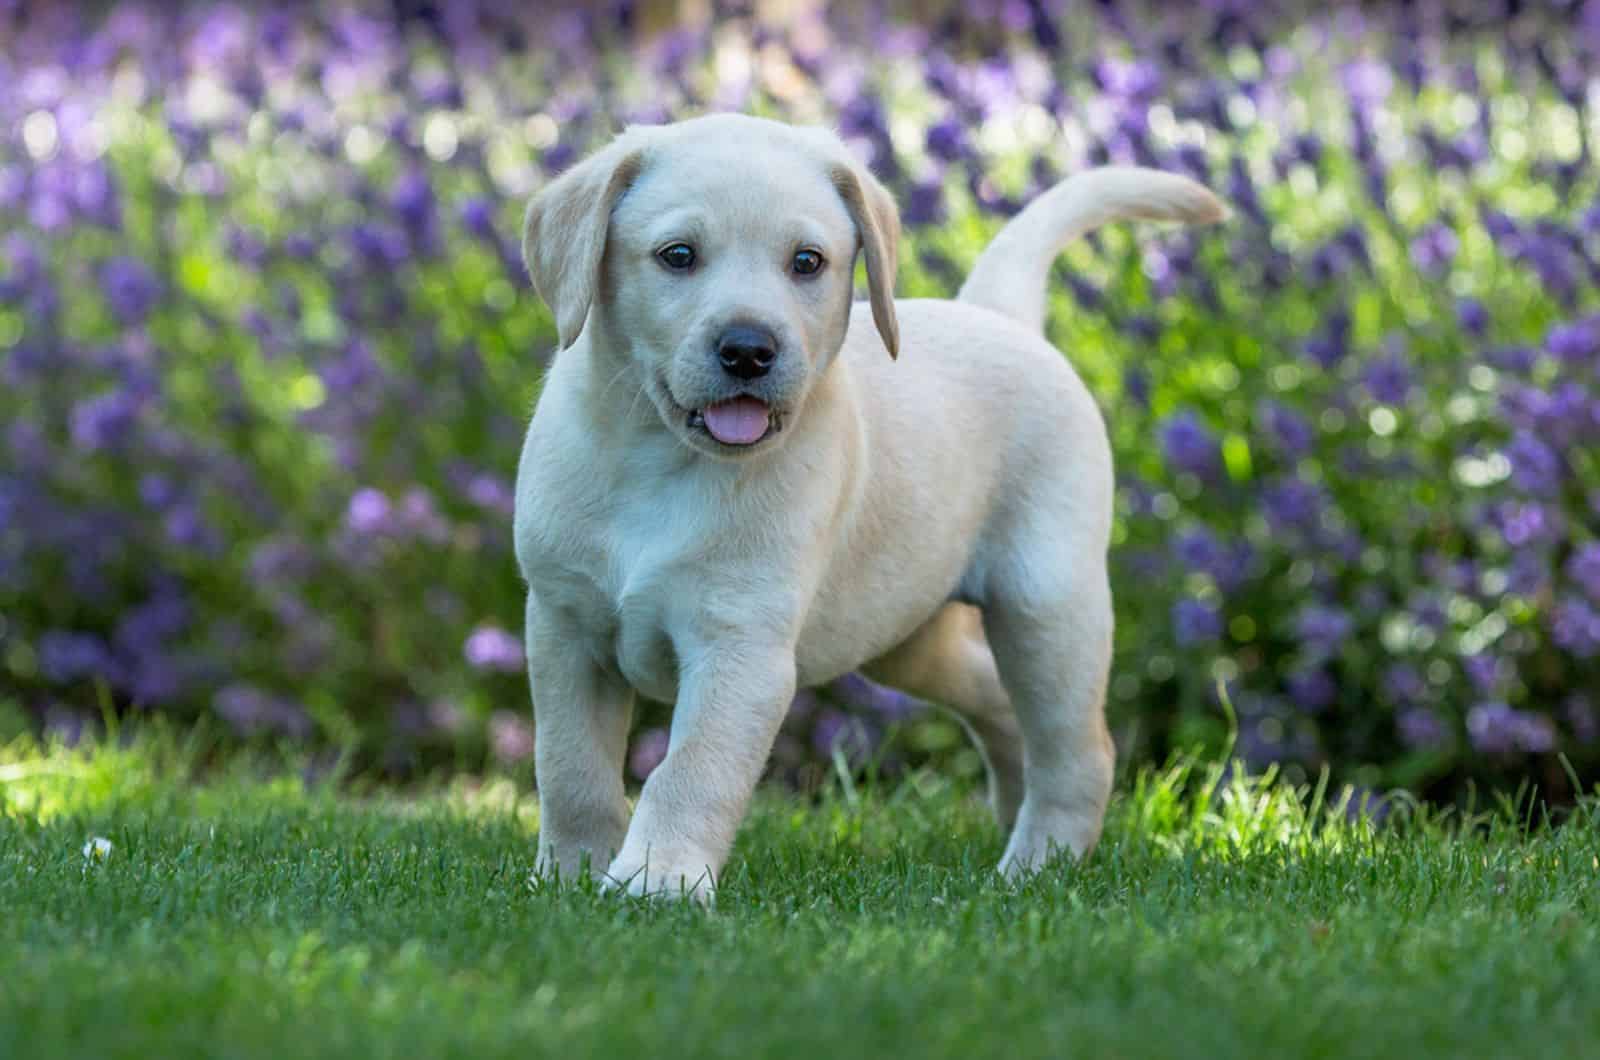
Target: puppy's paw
point(665, 874)
point(570, 862)
point(1017, 865)
point(1034, 845)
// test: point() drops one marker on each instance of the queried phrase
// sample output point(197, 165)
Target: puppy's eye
point(678, 256)
point(807, 262)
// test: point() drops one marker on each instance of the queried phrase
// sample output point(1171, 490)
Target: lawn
point(252, 916)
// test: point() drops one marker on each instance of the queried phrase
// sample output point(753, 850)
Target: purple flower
point(947, 140)
point(187, 527)
point(1134, 81)
point(1241, 191)
point(1313, 690)
point(492, 648)
point(559, 156)
point(1192, 159)
point(157, 679)
point(1553, 261)
point(1518, 360)
point(1290, 430)
point(1189, 446)
point(1536, 733)
point(418, 517)
point(1536, 469)
point(1388, 378)
point(444, 716)
point(354, 370)
point(1434, 249)
point(1529, 572)
point(863, 117)
point(1483, 671)
point(1402, 682)
point(477, 217)
point(1421, 729)
point(924, 203)
point(1569, 415)
point(1332, 344)
point(1292, 503)
point(104, 421)
point(246, 246)
point(1195, 622)
point(281, 560)
point(1085, 293)
point(1492, 727)
point(1322, 630)
point(1136, 386)
point(369, 512)
point(491, 493)
point(1496, 728)
point(649, 748)
point(412, 199)
point(252, 710)
point(1473, 317)
point(511, 737)
point(65, 657)
point(1367, 82)
point(1198, 549)
point(1584, 568)
point(836, 732)
point(301, 246)
point(1525, 523)
point(1575, 343)
point(380, 246)
point(143, 629)
point(1575, 627)
point(130, 289)
point(888, 703)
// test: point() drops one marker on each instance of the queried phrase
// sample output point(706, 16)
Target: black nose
point(747, 352)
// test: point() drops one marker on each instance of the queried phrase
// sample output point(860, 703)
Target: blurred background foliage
point(267, 351)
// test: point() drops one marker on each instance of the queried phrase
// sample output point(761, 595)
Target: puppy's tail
point(1010, 274)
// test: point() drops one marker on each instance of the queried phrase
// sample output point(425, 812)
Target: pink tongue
point(739, 421)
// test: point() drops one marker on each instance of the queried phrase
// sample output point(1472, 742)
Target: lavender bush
point(267, 352)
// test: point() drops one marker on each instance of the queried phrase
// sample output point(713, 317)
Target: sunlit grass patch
point(263, 913)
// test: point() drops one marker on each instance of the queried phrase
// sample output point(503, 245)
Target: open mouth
point(737, 421)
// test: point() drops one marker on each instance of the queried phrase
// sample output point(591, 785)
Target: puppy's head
point(717, 256)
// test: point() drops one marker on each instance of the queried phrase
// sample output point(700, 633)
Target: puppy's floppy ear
point(564, 231)
point(877, 221)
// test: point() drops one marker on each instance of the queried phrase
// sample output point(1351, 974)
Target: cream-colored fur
point(941, 521)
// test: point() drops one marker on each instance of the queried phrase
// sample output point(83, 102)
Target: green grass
point(254, 918)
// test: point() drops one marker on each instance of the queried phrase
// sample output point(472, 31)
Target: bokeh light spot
point(440, 138)
point(39, 135)
point(307, 392)
point(361, 145)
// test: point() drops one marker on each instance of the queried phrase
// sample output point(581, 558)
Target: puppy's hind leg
point(1050, 627)
point(948, 662)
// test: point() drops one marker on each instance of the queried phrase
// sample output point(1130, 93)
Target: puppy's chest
point(625, 586)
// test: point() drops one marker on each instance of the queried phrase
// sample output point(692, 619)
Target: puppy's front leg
point(581, 715)
point(731, 702)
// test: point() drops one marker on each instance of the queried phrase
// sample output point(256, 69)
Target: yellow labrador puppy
point(730, 489)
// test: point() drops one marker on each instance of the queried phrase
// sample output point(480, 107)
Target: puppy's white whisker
point(634, 404)
point(614, 380)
